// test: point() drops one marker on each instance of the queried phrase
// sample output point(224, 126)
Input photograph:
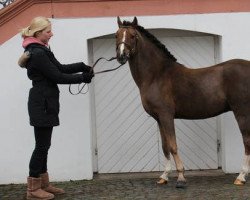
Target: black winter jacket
point(46, 72)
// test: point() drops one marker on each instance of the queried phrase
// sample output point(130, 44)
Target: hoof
point(181, 184)
point(162, 181)
point(239, 182)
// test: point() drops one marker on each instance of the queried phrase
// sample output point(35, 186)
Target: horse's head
point(126, 38)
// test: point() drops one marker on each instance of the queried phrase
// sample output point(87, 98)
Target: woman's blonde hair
point(36, 25)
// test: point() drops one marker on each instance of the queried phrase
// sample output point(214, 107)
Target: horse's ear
point(119, 22)
point(135, 22)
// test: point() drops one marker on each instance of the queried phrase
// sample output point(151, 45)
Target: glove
point(86, 68)
point(87, 77)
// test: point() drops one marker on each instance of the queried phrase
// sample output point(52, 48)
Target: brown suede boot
point(48, 187)
point(34, 190)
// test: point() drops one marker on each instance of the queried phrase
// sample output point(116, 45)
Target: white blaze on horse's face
point(122, 46)
point(126, 42)
point(122, 51)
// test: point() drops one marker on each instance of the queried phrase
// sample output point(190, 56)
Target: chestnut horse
point(170, 90)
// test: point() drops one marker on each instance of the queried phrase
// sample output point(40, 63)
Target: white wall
point(70, 155)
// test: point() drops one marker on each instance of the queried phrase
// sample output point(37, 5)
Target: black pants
point(38, 161)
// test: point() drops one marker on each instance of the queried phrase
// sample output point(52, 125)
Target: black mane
point(152, 38)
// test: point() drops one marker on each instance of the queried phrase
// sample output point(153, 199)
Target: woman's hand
point(87, 77)
point(87, 68)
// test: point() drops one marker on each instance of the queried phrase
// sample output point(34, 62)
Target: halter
point(132, 50)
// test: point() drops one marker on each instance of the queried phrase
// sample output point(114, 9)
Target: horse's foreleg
point(181, 181)
point(166, 151)
point(169, 145)
point(164, 176)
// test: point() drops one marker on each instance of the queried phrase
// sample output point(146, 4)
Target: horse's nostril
point(122, 59)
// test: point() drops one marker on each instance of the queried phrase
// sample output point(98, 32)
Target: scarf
point(32, 40)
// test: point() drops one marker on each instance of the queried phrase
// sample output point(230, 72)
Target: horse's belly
point(198, 116)
point(201, 111)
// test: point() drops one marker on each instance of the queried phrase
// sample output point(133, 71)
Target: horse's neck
point(147, 63)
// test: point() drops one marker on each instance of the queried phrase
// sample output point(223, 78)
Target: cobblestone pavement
point(210, 185)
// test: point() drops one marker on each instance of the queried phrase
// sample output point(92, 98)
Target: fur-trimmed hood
point(26, 55)
point(23, 59)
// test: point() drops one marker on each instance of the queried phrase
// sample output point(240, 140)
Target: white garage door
point(127, 138)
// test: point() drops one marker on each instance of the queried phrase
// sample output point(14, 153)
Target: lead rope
point(100, 72)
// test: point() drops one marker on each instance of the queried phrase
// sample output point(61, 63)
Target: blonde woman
point(45, 72)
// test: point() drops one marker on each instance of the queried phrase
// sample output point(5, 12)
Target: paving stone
point(111, 187)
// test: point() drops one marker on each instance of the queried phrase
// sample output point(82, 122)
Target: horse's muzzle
point(122, 59)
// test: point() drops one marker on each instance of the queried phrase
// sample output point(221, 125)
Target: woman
point(43, 105)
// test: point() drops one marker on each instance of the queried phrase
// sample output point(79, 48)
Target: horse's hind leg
point(241, 179)
point(244, 125)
